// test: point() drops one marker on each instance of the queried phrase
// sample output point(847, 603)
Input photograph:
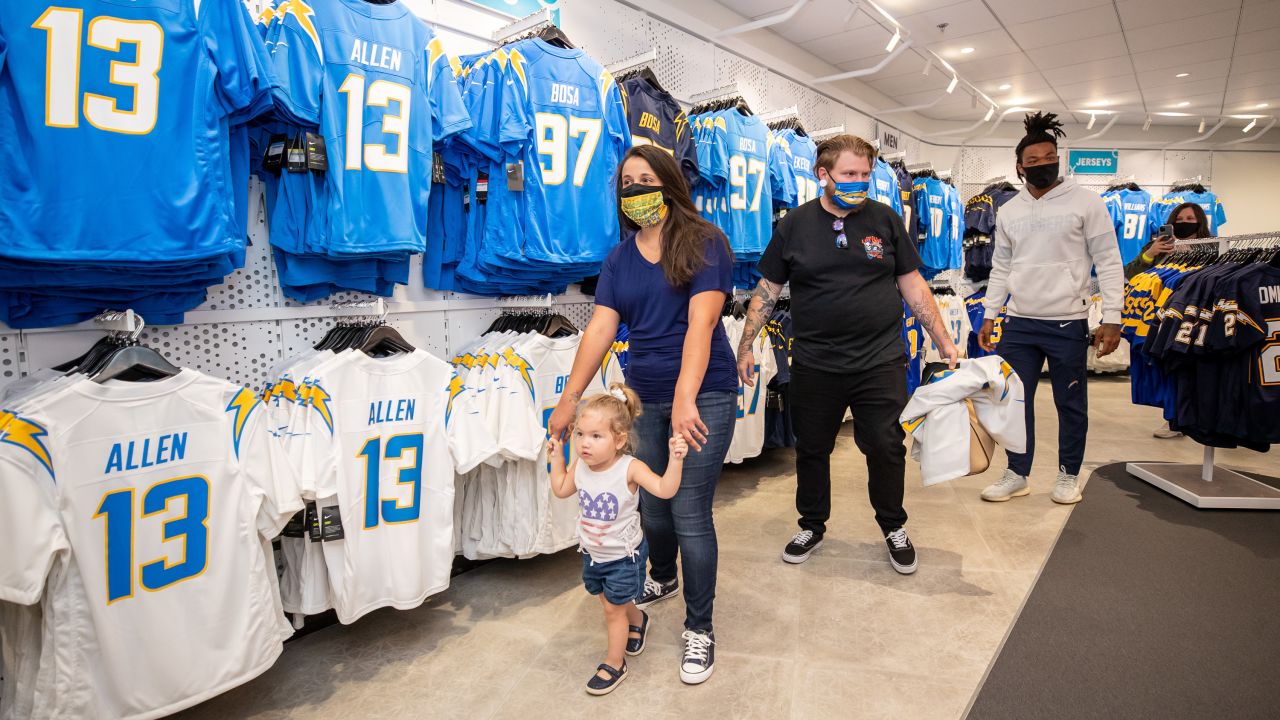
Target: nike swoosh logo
point(1063, 324)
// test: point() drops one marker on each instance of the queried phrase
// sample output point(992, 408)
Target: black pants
point(1025, 344)
point(818, 401)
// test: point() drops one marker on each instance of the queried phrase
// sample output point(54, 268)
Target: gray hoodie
point(1044, 250)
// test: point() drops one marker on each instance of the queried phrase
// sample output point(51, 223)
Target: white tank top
point(608, 512)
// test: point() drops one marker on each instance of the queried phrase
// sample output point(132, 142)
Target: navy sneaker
point(699, 658)
point(655, 591)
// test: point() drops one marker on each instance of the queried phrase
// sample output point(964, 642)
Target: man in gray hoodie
point(1047, 240)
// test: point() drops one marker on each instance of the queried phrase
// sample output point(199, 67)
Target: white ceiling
point(1066, 56)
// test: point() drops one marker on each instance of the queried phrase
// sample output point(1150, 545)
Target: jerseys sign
point(1094, 162)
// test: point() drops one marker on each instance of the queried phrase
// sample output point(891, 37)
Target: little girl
point(606, 480)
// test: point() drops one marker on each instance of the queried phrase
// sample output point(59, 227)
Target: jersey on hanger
point(141, 93)
point(382, 442)
point(141, 513)
point(1130, 211)
point(376, 81)
point(655, 118)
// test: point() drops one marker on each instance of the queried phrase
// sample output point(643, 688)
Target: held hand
point(1107, 339)
point(1160, 247)
point(747, 367)
point(984, 335)
point(560, 420)
point(687, 423)
point(555, 450)
point(677, 447)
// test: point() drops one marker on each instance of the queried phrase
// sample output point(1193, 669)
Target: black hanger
point(134, 363)
point(553, 35)
point(105, 346)
point(383, 340)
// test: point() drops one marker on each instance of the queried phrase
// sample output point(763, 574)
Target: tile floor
point(840, 636)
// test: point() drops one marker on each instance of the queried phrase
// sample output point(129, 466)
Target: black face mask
point(1184, 230)
point(635, 189)
point(1041, 176)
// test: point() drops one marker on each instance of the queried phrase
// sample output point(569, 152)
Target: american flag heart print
point(598, 513)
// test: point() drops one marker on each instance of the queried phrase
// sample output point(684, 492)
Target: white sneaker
point(1066, 491)
point(1010, 486)
point(1164, 432)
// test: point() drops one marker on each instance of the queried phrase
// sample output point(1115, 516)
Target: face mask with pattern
point(645, 205)
point(849, 195)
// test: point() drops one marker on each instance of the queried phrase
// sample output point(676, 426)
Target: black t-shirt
point(846, 311)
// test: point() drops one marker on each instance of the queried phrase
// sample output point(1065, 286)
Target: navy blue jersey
point(655, 118)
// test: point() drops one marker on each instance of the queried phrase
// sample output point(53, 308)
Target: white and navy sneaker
point(801, 547)
point(699, 659)
point(655, 591)
point(901, 553)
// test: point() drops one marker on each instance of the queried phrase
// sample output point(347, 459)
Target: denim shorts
point(621, 580)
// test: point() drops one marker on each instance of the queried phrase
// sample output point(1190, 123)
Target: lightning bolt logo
point(521, 365)
point(455, 389)
point(1006, 370)
point(242, 405)
point(266, 16)
point(606, 79)
point(913, 424)
point(609, 357)
point(303, 13)
point(26, 435)
point(319, 399)
point(435, 50)
point(518, 62)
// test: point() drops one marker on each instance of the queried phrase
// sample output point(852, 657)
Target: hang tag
point(773, 401)
point(273, 158)
point(295, 157)
point(482, 188)
point(317, 153)
point(297, 525)
point(437, 169)
point(515, 176)
point(313, 522)
point(331, 524)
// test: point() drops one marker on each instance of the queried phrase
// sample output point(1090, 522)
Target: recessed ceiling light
point(1184, 103)
point(1006, 86)
point(1097, 103)
point(966, 51)
point(1259, 106)
point(1182, 75)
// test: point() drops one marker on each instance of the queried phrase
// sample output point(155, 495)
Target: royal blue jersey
point(973, 305)
point(562, 116)
point(913, 340)
point(1130, 212)
point(376, 82)
point(139, 95)
point(655, 118)
point(884, 186)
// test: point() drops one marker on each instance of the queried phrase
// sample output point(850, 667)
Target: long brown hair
point(685, 234)
point(1201, 219)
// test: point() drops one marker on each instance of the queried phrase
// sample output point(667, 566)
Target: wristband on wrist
point(1148, 258)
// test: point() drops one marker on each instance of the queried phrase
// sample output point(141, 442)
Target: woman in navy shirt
point(668, 280)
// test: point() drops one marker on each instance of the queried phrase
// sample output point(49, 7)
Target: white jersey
point(748, 431)
point(140, 515)
point(381, 443)
point(956, 320)
point(937, 416)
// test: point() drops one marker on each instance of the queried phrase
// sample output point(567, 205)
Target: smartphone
point(1165, 231)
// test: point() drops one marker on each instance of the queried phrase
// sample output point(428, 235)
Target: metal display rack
point(1206, 485)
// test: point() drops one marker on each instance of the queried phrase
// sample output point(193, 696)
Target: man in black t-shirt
point(850, 266)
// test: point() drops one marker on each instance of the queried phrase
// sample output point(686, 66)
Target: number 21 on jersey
point(64, 30)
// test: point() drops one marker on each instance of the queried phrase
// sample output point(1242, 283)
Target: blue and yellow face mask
point(849, 195)
point(644, 205)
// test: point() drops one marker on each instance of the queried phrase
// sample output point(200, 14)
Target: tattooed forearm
point(926, 312)
point(763, 300)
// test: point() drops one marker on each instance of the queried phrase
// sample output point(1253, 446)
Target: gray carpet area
point(1147, 608)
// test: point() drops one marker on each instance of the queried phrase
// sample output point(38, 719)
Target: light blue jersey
point(739, 158)
point(140, 96)
point(1130, 212)
point(377, 83)
point(932, 210)
point(804, 158)
point(563, 124)
point(884, 186)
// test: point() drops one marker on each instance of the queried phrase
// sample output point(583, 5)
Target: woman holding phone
point(1187, 222)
